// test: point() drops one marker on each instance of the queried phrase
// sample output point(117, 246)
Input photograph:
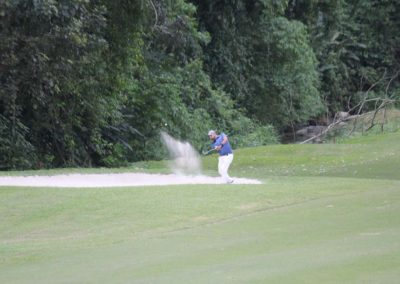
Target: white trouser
point(223, 165)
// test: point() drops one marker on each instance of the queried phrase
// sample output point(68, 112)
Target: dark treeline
point(92, 82)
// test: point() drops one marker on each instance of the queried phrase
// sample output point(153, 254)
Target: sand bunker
point(113, 180)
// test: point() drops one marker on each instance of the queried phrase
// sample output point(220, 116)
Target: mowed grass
point(324, 214)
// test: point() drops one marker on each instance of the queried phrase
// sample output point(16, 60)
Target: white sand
point(113, 180)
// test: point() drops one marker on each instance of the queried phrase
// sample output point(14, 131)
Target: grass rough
point(324, 214)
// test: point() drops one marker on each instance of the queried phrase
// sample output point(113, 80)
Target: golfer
point(221, 144)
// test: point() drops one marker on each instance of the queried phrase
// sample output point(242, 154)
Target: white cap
point(211, 132)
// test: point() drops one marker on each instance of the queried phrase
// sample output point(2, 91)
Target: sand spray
point(184, 158)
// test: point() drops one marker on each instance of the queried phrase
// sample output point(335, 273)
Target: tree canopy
point(92, 83)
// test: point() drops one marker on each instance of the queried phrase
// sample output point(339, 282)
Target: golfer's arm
point(221, 141)
point(225, 140)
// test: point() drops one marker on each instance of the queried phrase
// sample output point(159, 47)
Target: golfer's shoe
point(230, 181)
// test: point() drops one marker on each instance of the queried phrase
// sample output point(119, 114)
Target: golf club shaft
point(209, 151)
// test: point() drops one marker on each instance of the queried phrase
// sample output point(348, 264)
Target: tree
point(263, 60)
point(51, 77)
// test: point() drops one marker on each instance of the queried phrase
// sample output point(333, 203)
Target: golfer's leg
point(220, 166)
point(223, 165)
point(229, 160)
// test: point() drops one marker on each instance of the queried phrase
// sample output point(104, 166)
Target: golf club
point(204, 152)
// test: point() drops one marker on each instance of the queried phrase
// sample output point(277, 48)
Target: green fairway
point(324, 214)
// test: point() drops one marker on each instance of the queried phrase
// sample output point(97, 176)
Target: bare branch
point(388, 85)
point(155, 13)
point(330, 126)
point(383, 105)
point(380, 103)
point(362, 103)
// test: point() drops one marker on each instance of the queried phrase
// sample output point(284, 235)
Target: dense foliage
point(89, 83)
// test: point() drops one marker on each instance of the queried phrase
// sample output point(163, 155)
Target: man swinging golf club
point(221, 144)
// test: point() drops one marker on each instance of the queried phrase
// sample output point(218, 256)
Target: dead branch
point(383, 105)
point(327, 129)
point(336, 121)
point(155, 13)
point(380, 103)
point(362, 103)
point(390, 82)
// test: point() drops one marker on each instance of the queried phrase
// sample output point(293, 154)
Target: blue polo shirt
point(226, 148)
